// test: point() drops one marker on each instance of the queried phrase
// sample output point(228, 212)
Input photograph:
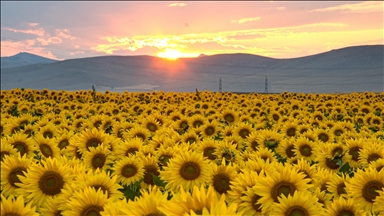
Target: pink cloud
point(39, 31)
point(9, 48)
point(51, 40)
point(64, 33)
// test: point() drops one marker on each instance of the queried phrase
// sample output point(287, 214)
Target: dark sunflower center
point(338, 132)
point(11, 214)
point(370, 190)
point(46, 150)
point(63, 143)
point(208, 152)
point(92, 210)
point(306, 150)
point(323, 137)
point(221, 183)
point(151, 127)
point(183, 124)
point(254, 145)
point(93, 142)
point(197, 123)
point(296, 211)
point(131, 151)
point(229, 117)
point(244, 133)
point(255, 199)
point(51, 183)
point(191, 140)
point(2, 154)
point(48, 134)
point(128, 170)
point(331, 164)
point(98, 160)
point(282, 188)
point(337, 151)
point(13, 175)
point(291, 132)
point(97, 124)
point(341, 189)
point(21, 147)
point(345, 212)
point(149, 171)
point(141, 136)
point(289, 151)
point(373, 157)
point(190, 171)
point(354, 151)
point(275, 117)
point(209, 130)
point(102, 188)
point(379, 168)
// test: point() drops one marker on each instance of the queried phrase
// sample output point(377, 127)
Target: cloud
point(238, 39)
point(64, 33)
point(33, 24)
point(363, 7)
point(51, 40)
point(177, 5)
point(246, 20)
point(38, 32)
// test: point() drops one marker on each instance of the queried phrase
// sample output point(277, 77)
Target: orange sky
point(64, 30)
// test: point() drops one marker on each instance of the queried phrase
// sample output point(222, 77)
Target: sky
point(277, 29)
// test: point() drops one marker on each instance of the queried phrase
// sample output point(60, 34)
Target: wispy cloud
point(64, 33)
point(242, 40)
point(38, 32)
point(25, 46)
point(363, 7)
point(177, 5)
point(246, 20)
point(33, 24)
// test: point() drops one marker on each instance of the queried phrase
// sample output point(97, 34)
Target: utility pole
point(266, 85)
point(220, 89)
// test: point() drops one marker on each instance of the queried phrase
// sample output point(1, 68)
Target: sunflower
point(290, 129)
point(227, 150)
point(322, 178)
point(324, 197)
point(277, 184)
point(208, 148)
point(243, 130)
point(87, 201)
point(22, 143)
point(269, 138)
point(324, 136)
point(149, 203)
point(364, 187)
point(249, 201)
point(300, 203)
point(190, 137)
point(89, 138)
point(304, 148)
point(129, 170)
point(266, 154)
point(187, 169)
point(98, 158)
point(11, 168)
point(151, 168)
point(137, 131)
point(286, 147)
point(343, 206)
point(7, 150)
point(11, 127)
point(15, 206)
point(337, 185)
point(102, 180)
point(151, 124)
point(47, 146)
point(180, 125)
point(371, 152)
point(258, 165)
point(378, 204)
point(305, 167)
point(337, 130)
point(43, 181)
point(49, 131)
point(378, 164)
point(197, 121)
point(221, 176)
point(326, 161)
point(229, 116)
point(209, 129)
point(164, 154)
point(128, 147)
point(114, 208)
point(354, 147)
point(376, 123)
point(50, 207)
point(310, 135)
point(244, 179)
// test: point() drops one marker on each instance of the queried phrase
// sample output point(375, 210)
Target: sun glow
point(169, 54)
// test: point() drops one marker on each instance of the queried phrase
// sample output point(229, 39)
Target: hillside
point(23, 59)
point(351, 69)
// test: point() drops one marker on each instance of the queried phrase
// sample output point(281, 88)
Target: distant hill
point(22, 59)
point(350, 69)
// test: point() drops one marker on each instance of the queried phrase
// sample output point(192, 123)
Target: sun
point(170, 54)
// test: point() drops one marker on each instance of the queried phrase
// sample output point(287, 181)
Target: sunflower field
point(165, 153)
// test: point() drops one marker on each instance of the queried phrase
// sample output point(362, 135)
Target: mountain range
point(345, 70)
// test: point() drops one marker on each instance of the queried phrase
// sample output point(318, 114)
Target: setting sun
point(169, 54)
